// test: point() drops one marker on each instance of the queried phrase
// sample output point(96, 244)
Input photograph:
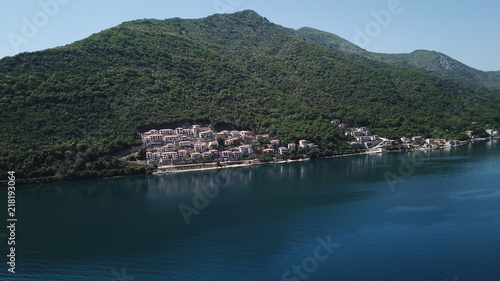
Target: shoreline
point(213, 166)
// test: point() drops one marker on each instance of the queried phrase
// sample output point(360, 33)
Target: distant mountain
point(427, 61)
point(67, 111)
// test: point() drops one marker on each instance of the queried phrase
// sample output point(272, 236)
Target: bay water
point(432, 215)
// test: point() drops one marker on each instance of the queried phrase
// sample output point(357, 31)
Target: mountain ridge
point(424, 60)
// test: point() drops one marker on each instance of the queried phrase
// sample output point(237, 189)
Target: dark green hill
point(67, 111)
point(426, 61)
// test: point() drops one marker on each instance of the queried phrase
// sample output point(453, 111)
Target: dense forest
point(68, 111)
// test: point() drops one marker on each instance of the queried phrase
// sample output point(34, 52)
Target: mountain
point(427, 61)
point(67, 111)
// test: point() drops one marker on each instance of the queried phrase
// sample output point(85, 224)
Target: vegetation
point(68, 112)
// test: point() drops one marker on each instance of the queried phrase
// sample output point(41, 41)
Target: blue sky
point(466, 30)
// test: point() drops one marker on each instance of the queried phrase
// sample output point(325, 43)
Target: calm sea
point(398, 216)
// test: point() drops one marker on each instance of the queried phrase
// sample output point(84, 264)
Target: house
point(235, 134)
point(152, 156)
point(227, 154)
point(246, 149)
point(182, 153)
point(168, 147)
point(303, 143)
point(166, 132)
point(155, 139)
point(171, 155)
point(292, 146)
point(195, 130)
point(200, 147)
point(179, 131)
point(196, 155)
point(275, 143)
point(245, 134)
point(224, 134)
point(213, 144)
point(430, 141)
point(184, 138)
point(185, 144)
point(405, 139)
point(207, 135)
point(215, 153)
point(336, 122)
point(416, 139)
point(237, 154)
point(206, 155)
point(283, 150)
point(231, 142)
point(268, 151)
point(344, 125)
point(312, 145)
point(172, 139)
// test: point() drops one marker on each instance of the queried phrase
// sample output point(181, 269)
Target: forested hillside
point(67, 111)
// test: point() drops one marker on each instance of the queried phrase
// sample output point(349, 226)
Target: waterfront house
point(268, 151)
point(283, 150)
point(152, 156)
point(246, 149)
point(292, 146)
point(226, 154)
point(303, 143)
point(416, 139)
point(206, 155)
point(196, 155)
point(182, 153)
point(237, 154)
point(215, 153)
point(171, 155)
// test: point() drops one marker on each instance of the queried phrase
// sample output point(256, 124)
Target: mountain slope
point(68, 110)
point(427, 61)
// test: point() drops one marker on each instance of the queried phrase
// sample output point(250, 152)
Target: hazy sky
point(466, 30)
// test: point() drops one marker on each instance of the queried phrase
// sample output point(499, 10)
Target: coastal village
point(168, 146)
point(196, 144)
